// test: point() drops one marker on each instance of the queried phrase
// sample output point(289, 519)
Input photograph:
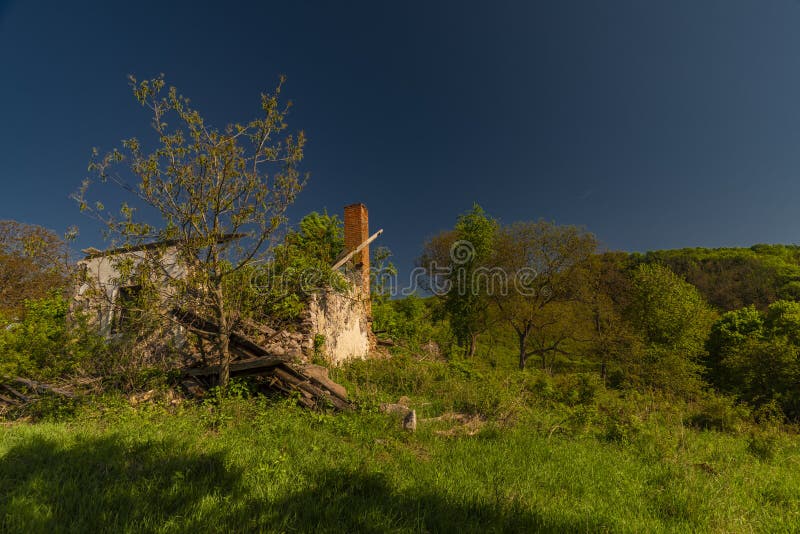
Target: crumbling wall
point(337, 325)
point(100, 282)
point(340, 326)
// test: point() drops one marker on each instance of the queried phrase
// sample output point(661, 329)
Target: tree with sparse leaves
point(220, 196)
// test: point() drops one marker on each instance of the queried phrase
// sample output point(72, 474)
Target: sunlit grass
point(539, 461)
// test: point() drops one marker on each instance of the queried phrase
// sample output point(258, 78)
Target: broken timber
point(344, 259)
point(15, 399)
point(311, 382)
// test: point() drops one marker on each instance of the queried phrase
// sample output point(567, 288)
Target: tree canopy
point(33, 262)
point(220, 196)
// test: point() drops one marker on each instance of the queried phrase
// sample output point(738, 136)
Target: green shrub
point(763, 445)
point(717, 412)
point(621, 428)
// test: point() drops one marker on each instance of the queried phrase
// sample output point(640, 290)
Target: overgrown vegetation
point(665, 393)
point(496, 450)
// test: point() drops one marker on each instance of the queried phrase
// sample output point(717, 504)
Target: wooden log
point(237, 341)
point(319, 376)
point(304, 384)
point(23, 398)
point(344, 259)
point(41, 387)
point(9, 401)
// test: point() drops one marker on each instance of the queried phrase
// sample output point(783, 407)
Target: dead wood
point(41, 387)
point(252, 366)
point(17, 394)
point(316, 389)
point(8, 401)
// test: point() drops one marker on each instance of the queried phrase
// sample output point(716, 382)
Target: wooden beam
point(240, 367)
point(356, 250)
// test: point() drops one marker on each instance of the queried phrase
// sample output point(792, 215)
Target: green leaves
point(217, 194)
point(669, 311)
point(756, 356)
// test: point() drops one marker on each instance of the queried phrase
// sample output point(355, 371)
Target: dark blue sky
point(655, 124)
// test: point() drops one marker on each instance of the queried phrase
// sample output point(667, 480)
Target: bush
point(763, 445)
point(622, 427)
point(406, 321)
point(36, 346)
point(717, 412)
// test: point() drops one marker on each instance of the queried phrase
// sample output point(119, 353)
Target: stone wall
point(340, 326)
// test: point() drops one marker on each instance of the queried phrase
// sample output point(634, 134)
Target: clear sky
point(656, 124)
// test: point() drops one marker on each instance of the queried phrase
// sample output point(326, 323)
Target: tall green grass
point(544, 454)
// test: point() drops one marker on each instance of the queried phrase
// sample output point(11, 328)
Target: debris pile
point(283, 372)
point(21, 392)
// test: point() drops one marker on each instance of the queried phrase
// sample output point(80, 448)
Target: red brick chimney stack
point(356, 231)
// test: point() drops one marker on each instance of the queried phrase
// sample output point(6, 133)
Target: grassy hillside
point(495, 450)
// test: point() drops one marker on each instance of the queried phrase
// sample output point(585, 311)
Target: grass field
point(528, 453)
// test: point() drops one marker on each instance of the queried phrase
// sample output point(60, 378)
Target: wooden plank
point(239, 367)
point(305, 385)
point(356, 250)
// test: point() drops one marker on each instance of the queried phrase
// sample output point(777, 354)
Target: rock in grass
point(394, 408)
point(410, 421)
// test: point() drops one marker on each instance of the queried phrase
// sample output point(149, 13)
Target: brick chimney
point(356, 231)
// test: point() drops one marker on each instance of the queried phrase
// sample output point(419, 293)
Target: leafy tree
point(435, 261)
point(409, 321)
point(606, 291)
point(382, 276)
point(320, 238)
point(756, 356)
point(732, 278)
point(300, 265)
point(732, 330)
point(456, 263)
point(674, 320)
point(543, 262)
point(43, 344)
point(33, 261)
point(220, 197)
point(763, 371)
point(467, 303)
point(783, 320)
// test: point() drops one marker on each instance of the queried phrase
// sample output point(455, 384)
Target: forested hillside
point(731, 278)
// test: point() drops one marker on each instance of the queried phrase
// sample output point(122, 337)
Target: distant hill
point(731, 278)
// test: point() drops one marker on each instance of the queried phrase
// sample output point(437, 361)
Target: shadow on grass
point(103, 484)
point(110, 484)
point(343, 501)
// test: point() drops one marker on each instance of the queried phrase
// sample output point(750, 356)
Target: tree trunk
point(523, 357)
point(223, 340)
point(473, 345)
point(225, 360)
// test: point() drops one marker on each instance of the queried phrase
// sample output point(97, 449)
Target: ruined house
point(336, 325)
